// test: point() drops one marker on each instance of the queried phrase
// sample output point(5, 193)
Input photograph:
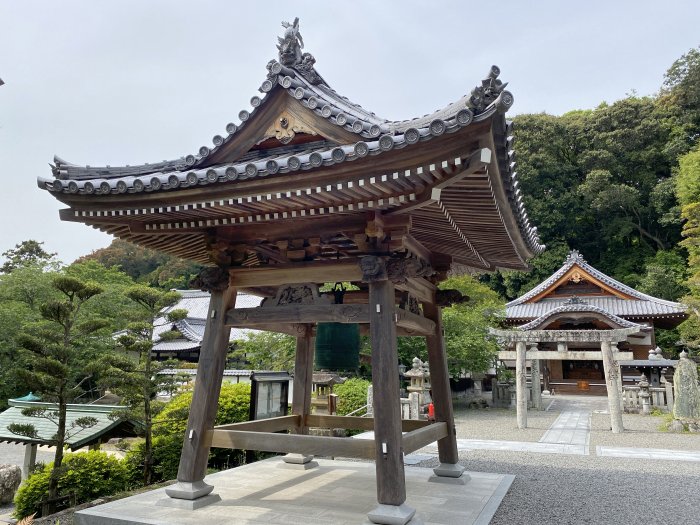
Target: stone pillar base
point(449, 473)
point(189, 490)
point(189, 504)
point(393, 515)
point(298, 461)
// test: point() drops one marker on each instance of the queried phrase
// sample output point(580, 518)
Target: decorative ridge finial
point(490, 90)
point(575, 299)
point(290, 55)
point(575, 256)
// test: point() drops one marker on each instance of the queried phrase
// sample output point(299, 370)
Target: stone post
point(611, 381)
point(535, 379)
point(644, 395)
point(29, 460)
point(669, 392)
point(521, 384)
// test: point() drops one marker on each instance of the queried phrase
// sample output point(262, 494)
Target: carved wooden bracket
point(399, 270)
point(215, 279)
point(297, 294)
point(373, 269)
point(410, 303)
point(449, 297)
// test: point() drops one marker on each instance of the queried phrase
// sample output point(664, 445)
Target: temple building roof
point(196, 302)
point(591, 290)
point(106, 425)
point(303, 151)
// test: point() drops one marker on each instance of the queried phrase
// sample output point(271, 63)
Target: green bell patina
point(337, 346)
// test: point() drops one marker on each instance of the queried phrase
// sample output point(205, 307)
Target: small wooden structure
point(310, 188)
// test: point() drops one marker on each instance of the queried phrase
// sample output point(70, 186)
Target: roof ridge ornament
point(290, 55)
point(575, 256)
point(489, 91)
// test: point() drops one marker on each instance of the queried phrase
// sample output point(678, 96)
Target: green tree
point(468, 346)
point(266, 351)
point(61, 348)
point(688, 187)
point(27, 253)
point(134, 375)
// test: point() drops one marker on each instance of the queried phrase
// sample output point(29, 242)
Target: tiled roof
point(196, 303)
point(642, 305)
point(46, 429)
point(577, 307)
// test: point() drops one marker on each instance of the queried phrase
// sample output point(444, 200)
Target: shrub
point(169, 432)
point(352, 395)
point(85, 476)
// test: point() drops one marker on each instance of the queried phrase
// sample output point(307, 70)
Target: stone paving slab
point(648, 453)
point(572, 427)
point(513, 446)
point(337, 493)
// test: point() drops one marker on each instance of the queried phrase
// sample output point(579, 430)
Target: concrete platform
point(335, 493)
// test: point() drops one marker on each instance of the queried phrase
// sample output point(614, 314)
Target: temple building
point(579, 298)
point(309, 188)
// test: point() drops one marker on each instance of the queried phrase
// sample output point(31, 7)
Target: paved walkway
point(569, 434)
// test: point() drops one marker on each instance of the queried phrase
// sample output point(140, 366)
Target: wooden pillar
point(442, 396)
point(612, 376)
point(535, 379)
point(301, 400)
point(391, 482)
point(521, 384)
point(205, 400)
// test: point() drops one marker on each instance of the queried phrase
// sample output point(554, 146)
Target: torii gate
point(608, 340)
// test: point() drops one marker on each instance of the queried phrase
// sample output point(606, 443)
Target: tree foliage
point(25, 254)
point(134, 375)
point(266, 351)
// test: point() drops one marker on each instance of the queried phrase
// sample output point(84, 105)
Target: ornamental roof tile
point(578, 307)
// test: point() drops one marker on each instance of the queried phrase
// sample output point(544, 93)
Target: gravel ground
point(560, 489)
point(640, 432)
point(501, 425)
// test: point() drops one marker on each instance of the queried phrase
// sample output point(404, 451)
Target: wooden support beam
point(273, 424)
point(316, 272)
point(421, 437)
point(358, 423)
point(205, 399)
point(329, 313)
point(293, 443)
point(440, 382)
point(303, 372)
point(391, 481)
point(420, 288)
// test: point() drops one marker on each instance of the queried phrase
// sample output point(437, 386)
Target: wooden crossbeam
point(330, 313)
point(273, 424)
point(293, 443)
point(421, 437)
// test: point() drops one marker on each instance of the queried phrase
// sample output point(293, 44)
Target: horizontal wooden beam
point(570, 355)
point(357, 423)
point(420, 288)
point(421, 437)
point(315, 272)
point(273, 424)
point(293, 443)
point(329, 313)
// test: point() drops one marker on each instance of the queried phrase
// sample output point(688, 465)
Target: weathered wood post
point(535, 378)
point(301, 400)
point(391, 482)
point(521, 384)
point(612, 373)
point(190, 491)
point(442, 396)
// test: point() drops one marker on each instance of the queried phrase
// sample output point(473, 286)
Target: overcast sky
point(133, 81)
